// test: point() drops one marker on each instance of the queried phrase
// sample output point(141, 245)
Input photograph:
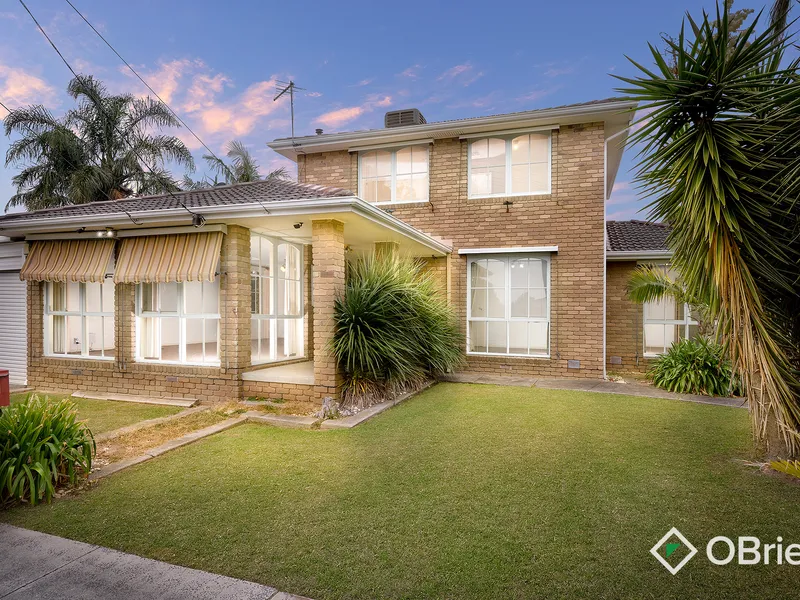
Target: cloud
point(19, 88)
point(166, 78)
point(203, 91)
point(314, 94)
point(362, 83)
point(340, 116)
point(556, 72)
point(463, 74)
point(536, 94)
point(411, 72)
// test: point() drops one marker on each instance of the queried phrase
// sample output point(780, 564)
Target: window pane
point(477, 336)
point(479, 153)
point(58, 296)
point(540, 147)
point(93, 294)
point(497, 180)
point(419, 157)
point(538, 338)
point(518, 338)
point(538, 272)
point(168, 297)
point(655, 338)
point(404, 190)
point(260, 336)
point(266, 296)
point(149, 297)
point(496, 273)
point(479, 183)
point(108, 296)
point(193, 297)
point(384, 190)
point(519, 150)
point(94, 336)
point(519, 303)
point(194, 340)
point(255, 249)
point(58, 333)
point(497, 303)
point(694, 331)
point(74, 334)
point(519, 272)
point(497, 337)
point(384, 163)
point(73, 296)
point(265, 255)
point(211, 297)
point(478, 303)
point(497, 153)
point(478, 275)
point(538, 303)
point(170, 329)
point(211, 346)
point(148, 338)
point(293, 302)
point(369, 164)
point(289, 340)
point(295, 263)
point(369, 190)
point(404, 161)
point(519, 179)
point(420, 185)
point(539, 177)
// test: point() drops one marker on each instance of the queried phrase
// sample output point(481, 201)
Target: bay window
point(276, 300)
point(79, 319)
point(508, 305)
point(517, 165)
point(400, 175)
point(178, 322)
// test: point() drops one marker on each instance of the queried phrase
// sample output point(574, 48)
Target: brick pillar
point(234, 298)
point(387, 248)
point(327, 282)
point(308, 312)
point(125, 325)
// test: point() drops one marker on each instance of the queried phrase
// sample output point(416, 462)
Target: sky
point(217, 64)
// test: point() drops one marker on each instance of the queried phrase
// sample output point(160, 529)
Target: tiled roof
point(636, 236)
point(223, 195)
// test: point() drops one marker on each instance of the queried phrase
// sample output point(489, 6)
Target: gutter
point(619, 255)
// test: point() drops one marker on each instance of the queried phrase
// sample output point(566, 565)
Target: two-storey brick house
point(228, 292)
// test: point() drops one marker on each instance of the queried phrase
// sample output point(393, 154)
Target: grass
point(105, 415)
point(465, 491)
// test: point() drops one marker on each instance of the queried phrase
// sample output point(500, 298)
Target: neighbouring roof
point(636, 236)
point(223, 195)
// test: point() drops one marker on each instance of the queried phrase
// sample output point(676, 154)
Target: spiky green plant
point(43, 445)
point(243, 168)
point(695, 366)
point(721, 160)
point(790, 467)
point(106, 148)
point(393, 329)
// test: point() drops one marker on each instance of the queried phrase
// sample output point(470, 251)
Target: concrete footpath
point(37, 566)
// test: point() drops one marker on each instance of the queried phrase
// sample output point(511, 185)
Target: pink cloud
point(314, 94)
point(203, 90)
point(411, 72)
point(166, 78)
point(463, 74)
point(18, 88)
point(362, 83)
point(340, 116)
point(536, 94)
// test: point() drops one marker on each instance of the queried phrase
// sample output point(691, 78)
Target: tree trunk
point(774, 442)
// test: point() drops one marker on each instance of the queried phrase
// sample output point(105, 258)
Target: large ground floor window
point(508, 305)
point(79, 319)
point(276, 300)
point(666, 322)
point(178, 322)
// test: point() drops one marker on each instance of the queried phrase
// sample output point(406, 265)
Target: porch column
point(327, 241)
point(387, 248)
point(235, 299)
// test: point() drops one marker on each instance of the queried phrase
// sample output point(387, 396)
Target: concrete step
point(182, 402)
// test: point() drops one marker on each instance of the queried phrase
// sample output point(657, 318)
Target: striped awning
point(171, 257)
point(67, 260)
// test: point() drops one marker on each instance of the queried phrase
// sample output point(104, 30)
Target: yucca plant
point(43, 445)
point(695, 366)
point(393, 329)
point(721, 161)
point(790, 467)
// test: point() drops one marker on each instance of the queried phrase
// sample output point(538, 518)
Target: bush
point(393, 330)
point(42, 446)
point(695, 366)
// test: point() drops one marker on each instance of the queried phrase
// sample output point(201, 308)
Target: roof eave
point(620, 255)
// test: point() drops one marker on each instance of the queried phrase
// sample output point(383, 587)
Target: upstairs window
point(509, 166)
point(399, 175)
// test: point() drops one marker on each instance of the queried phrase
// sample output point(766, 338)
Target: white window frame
point(273, 317)
point(508, 138)
point(393, 151)
point(182, 316)
point(507, 258)
point(685, 323)
point(81, 312)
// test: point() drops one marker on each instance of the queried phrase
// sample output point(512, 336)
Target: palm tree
point(104, 149)
point(242, 169)
point(721, 162)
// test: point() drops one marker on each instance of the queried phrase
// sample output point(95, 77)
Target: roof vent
point(401, 118)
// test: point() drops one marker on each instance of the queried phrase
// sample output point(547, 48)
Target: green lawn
point(462, 492)
point(105, 415)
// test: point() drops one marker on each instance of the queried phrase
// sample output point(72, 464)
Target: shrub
point(393, 330)
point(42, 446)
point(695, 366)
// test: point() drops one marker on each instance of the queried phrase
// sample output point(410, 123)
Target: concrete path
point(37, 566)
point(592, 385)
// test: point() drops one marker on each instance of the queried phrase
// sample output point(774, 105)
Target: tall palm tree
point(242, 169)
point(106, 148)
point(721, 162)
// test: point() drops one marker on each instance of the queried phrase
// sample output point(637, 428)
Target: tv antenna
point(282, 88)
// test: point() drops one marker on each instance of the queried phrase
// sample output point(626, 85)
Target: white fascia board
point(514, 250)
point(638, 255)
point(320, 143)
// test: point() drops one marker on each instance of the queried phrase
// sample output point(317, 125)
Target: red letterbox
point(5, 398)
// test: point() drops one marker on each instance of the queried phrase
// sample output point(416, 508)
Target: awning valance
point(165, 258)
point(67, 260)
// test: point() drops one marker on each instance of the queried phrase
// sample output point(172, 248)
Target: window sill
point(172, 363)
point(400, 203)
point(534, 356)
point(79, 357)
point(498, 196)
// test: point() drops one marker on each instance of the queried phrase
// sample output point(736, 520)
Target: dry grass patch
point(288, 407)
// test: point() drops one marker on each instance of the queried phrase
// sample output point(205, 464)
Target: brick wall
point(572, 217)
point(624, 329)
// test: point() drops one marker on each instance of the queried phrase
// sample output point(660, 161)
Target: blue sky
point(216, 63)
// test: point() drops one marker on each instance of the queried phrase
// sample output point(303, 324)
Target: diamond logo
point(673, 550)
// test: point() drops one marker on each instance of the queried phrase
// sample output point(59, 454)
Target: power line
point(197, 218)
